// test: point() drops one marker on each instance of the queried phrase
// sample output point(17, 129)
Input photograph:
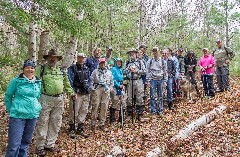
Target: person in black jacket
point(190, 62)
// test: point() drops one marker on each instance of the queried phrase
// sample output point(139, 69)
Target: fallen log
point(189, 129)
point(203, 120)
point(117, 151)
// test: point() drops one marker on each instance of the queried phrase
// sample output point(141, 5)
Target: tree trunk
point(70, 53)
point(226, 22)
point(44, 45)
point(32, 41)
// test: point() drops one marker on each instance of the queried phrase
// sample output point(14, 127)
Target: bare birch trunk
point(32, 41)
point(44, 45)
point(70, 52)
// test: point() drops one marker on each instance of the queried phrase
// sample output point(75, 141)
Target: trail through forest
point(221, 137)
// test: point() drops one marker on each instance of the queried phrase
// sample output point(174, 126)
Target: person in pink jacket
point(206, 64)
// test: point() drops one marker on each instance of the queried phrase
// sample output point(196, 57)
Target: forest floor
point(221, 137)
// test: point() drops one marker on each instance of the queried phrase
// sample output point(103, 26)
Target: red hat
point(102, 60)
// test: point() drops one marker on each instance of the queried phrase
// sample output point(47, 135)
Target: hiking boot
point(112, 115)
point(80, 131)
point(170, 106)
point(40, 152)
point(102, 128)
point(93, 128)
point(219, 90)
point(52, 149)
point(72, 134)
point(71, 127)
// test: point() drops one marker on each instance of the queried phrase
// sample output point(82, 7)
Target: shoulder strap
point(41, 76)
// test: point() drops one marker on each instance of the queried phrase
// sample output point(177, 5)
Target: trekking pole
point(132, 100)
point(121, 111)
point(74, 122)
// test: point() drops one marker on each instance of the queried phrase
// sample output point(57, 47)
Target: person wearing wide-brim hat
point(54, 83)
point(52, 53)
point(134, 69)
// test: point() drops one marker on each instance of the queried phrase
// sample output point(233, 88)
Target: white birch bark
point(70, 52)
point(44, 45)
point(32, 41)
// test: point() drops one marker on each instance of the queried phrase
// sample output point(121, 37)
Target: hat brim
point(132, 51)
point(46, 56)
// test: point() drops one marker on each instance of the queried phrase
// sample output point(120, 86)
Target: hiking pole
point(121, 111)
point(132, 99)
point(74, 122)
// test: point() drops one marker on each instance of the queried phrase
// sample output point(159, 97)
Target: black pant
point(208, 87)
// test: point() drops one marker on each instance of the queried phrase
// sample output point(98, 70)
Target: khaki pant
point(100, 99)
point(118, 99)
point(50, 121)
point(81, 108)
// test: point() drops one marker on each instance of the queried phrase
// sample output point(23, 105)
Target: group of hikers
point(98, 83)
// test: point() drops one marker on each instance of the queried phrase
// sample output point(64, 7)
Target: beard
point(52, 63)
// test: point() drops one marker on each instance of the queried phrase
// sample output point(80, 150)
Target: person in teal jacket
point(21, 100)
point(118, 95)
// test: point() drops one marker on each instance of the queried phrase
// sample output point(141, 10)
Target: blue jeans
point(156, 87)
point(169, 89)
point(20, 134)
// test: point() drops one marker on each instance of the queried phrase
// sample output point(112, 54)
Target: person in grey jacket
point(156, 77)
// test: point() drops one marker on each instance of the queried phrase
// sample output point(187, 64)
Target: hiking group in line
point(100, 83)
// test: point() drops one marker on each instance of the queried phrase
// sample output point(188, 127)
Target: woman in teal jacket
point(21, 100)
point(118, 93)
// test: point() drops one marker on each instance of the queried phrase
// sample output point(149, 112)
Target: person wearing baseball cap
point(206, 64)
point(101, 85)
point(143, 48)
point(223, 55)
point(110, 60)
point(78, 75)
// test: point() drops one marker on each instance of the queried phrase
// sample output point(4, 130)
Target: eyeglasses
point(164, 53)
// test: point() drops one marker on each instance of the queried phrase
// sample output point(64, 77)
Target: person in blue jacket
point(21, 100)
point(118, 95)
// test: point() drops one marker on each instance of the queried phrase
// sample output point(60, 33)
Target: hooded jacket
point(117, 76)
point(21, 98)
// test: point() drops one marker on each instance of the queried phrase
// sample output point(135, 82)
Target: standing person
point(143, 48)
point(156, 78)
point(180, 58)
point(181, 71)
point(92, 62)
point(21, 100)
point(175, 85)
point(54, 83)
point(223, 55)
point(109, 58)
point(102, 84)
point(143, 77)
point(206, 64)
point(171, 70)
point(190, 68)
point(118, 91)
point(134, 69)
point(78, 76)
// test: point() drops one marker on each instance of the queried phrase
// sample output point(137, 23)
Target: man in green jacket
point(54, 83)
point(223, 55)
